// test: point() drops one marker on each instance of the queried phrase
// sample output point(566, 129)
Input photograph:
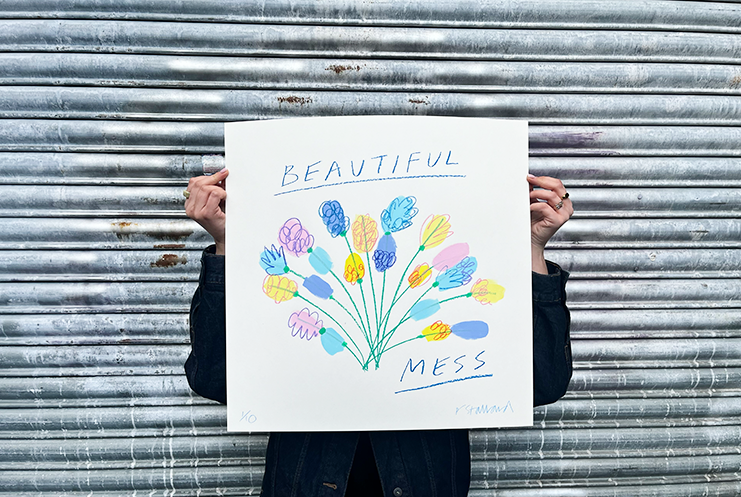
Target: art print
point(378, 280)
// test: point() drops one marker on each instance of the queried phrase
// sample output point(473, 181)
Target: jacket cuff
point(212, 269)
point(550, 287)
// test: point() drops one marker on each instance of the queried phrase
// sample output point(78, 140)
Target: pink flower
point(305, 324)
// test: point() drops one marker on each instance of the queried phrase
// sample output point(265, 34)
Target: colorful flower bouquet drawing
point(370, 305)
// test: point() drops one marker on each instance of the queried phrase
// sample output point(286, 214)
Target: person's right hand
point(205, 205)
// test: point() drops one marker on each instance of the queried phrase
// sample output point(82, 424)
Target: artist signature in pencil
point(484, 409)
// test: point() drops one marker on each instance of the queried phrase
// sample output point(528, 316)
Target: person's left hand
point(550, 208)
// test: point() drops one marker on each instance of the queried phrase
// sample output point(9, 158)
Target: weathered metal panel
point(58, 265)
point(240, 105)
point(18, 168)
point(92, 329)
point(108, 107)
point(627, 14)
point(37, 135)
point(92, 233)
point(686, 172)
point(167, 201)
point(72, 201)
point(291, 40)
point(362, 75)
point(82, 297)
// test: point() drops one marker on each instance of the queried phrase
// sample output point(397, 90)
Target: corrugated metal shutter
point(107, 107)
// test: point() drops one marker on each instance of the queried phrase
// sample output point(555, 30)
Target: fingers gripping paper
point(378, 274)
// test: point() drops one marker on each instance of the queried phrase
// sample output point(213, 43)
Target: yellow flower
point(354, 268)
point(436, 331)
point(419, 275)
point(436, 230)
point(487, 291)
point(279, 288)
point(364, 233)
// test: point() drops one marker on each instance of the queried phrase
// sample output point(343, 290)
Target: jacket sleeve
point(551, 343)
point(205, 367)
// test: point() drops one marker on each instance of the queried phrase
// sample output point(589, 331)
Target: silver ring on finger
point(559, 205)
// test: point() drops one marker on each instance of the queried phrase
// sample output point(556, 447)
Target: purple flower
point(295, 238)
point(334, 218)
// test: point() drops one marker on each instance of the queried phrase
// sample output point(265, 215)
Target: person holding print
point(424, 463)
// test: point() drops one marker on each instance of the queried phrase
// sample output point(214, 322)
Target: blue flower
point(318, 287)
point(273, 261)
point(332, 341)
point(424, 309)
point(470, 330)
point(399, 214)
point(458, 275)
point(334, 217)
point(385, 254)
point(320, 260)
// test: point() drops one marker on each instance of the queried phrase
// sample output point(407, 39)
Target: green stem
point(344, 345)
point(420, 249)
point(456, 297)
point(394, 299)
point(405, 318)
point(294, 272)
point(362, 294)
point(337, 323)
point(387, 337)
point(417, 301)
point(342, 284)
point(368, 339)
point(331, 297)
point(373, 289)
point(343, 307)
point(393, 303)
point(380, 313)
point(405, 341)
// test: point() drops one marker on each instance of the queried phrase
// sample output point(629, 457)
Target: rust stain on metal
point(339, 69)
point(170, 246)
point(122, 229)
point(295, 100)
point(563, 139)
point(418, 102)
point(169, 260)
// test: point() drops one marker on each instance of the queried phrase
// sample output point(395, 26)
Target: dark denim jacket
point(410, 463)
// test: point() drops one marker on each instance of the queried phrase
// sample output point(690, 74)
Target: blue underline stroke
point(373, 179)
point(444, 382)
